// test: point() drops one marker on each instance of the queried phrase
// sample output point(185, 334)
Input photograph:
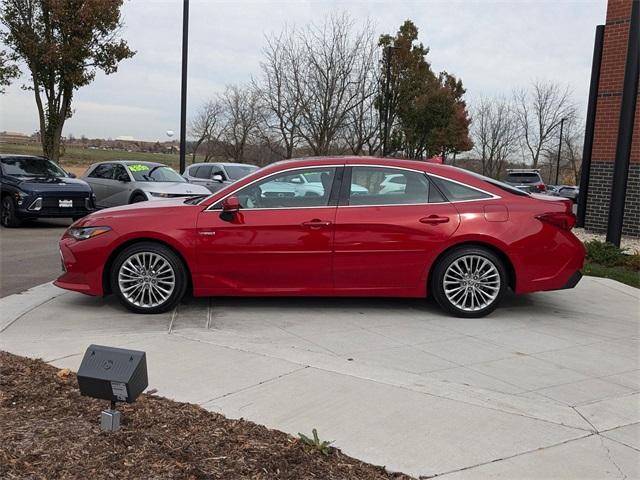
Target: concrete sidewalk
point(546, 387)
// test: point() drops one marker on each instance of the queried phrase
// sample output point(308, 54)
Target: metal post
point(385, 135)
point(559, 150)
point(625, 130)
point(589, 126)
point(183, 91)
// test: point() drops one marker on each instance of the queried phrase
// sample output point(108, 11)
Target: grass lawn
point(622, 274)
point(83, 157)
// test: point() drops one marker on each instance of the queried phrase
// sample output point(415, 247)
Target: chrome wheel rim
point(471, 283)
point(146, 279)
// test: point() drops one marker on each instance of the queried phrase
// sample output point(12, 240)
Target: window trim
point(338, 168)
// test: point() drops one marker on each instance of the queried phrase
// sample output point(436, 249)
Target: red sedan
point(331, 227)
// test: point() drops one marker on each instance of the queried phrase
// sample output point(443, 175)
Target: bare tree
point(241, 118)
point(495, 134)
point(361, 132)
point(539, 112)
point(279, 93)
point(205, 128)
point(332, 54)
point(572, 143)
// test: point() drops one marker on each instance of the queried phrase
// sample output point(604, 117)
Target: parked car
point(125, 181)
point(35, 187)
point(527, 180)
point(306, 184)
point(462, 238)
point(568, 191)
point(216, 176)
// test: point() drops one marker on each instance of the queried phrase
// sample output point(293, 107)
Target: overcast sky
point(493, 47)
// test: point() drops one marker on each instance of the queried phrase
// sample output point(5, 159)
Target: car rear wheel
point(469, 282)
point(8, 214)
point(148, 278)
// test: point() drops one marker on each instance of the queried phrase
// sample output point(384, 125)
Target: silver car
point(124, 181)
point(216, 176)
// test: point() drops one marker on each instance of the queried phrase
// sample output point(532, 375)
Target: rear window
point(456, 192)
point(497, 183)
point(523, 177)
point(236, 172)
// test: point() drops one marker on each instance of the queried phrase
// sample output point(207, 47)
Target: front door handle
point(316, 223)
point(434, 220)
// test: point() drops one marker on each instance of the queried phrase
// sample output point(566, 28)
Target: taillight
point(563, 220)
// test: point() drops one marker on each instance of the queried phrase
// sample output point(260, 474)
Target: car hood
point(52, 184)
point(173, 187)
point(135, 209)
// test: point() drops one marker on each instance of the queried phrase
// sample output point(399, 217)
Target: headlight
point(20, 196)
point(159, 194)
point(83, 233)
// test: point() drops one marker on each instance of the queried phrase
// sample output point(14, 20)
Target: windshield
point(499, 184)
point(31, 167)
point(523, 178)
point(236, 172)
point(157, 173)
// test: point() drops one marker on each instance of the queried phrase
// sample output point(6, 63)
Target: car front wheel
point(469, 282)
point(8, 214)
point(148, 278)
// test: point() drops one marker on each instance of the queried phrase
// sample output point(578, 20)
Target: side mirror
point(231, 205)
point(217, 178)
point(71, 175)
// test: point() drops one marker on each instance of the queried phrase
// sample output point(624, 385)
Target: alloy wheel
point(471, 283)
point(146, 279)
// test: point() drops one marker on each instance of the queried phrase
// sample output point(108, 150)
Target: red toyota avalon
point(331, 227)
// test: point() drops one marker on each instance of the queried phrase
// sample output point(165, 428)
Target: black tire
point(137, 198)
point(443, 264)
point(8, 214)
point(179, 271)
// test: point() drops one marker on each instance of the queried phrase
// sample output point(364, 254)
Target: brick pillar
point(614, 56)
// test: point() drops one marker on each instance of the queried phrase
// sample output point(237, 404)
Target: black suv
point(35, 187)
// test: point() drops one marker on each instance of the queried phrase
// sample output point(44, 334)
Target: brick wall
point(605, 136)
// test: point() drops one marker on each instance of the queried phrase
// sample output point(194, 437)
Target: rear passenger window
point(204, 171)
point(104, 170)
point(387, 186)
point(456, 192)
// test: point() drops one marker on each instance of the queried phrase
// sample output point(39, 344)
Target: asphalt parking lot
point(30, 254)
point(548, 386)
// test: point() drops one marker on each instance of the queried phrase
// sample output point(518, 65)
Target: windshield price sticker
point(138, 168)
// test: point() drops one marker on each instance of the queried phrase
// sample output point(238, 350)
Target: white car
point(393, 184)
point(301, 185)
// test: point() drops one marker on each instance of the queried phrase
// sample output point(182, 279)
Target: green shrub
point(315, 444)
point(605, 253)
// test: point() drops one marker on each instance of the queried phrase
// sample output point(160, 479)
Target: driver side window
point(287, 190)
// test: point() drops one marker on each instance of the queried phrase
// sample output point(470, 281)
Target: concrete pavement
point(546, 387)
point(30, 254)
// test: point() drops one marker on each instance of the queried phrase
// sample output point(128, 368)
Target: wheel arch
point(508, 264)
point(106, 271)
point(135, 193)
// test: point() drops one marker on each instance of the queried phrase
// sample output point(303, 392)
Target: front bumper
point(60, 205)
point(83, 262)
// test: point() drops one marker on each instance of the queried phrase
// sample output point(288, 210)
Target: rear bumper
point(573, 280)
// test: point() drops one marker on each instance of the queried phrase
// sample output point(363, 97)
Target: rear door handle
point(434, 220)
point(315, 223)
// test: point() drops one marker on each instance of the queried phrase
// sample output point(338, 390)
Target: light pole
point(559, 150)
point(183, 90)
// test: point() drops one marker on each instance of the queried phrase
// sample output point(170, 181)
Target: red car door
point(279, 242)
point(389, 227)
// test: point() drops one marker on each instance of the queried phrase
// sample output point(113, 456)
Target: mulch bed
point(47, 430)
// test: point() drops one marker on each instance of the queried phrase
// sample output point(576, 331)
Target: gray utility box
point(113, 374)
